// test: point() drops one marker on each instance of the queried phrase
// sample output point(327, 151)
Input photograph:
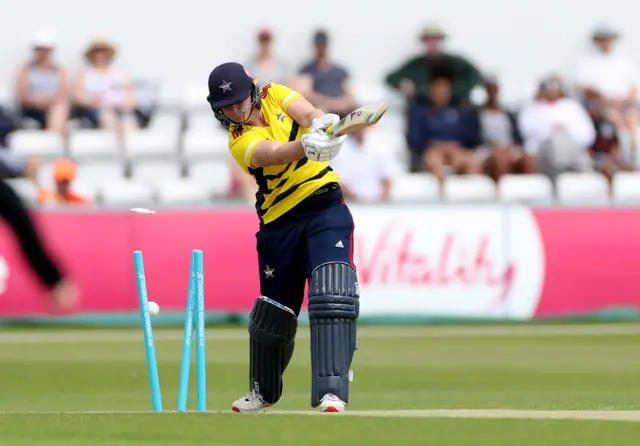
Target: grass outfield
point(530, 385)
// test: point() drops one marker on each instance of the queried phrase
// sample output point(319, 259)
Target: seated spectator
point(264, 65)
point(412, 78)
point(441, 134)
point(605, 151)
point(324, 83)
point(64, 173)
point(501, 140)
point(611, 75)
point(366, 168)
point(103, 92)
point(557, 130)
point(43, 86)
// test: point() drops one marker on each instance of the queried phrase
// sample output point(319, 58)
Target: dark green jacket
point(467, 76)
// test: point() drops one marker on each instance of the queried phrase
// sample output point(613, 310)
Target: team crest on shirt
point(268, 272)
point(280, 117)
point(226, 86)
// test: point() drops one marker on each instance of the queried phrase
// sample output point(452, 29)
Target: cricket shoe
point(252, 402)
point(331, 403)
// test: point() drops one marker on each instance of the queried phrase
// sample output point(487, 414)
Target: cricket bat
point(358, 119)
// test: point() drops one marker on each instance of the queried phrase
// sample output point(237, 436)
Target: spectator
point(366, 168)
point(265, 66)
point(412, 78)
point(611, 75)
point(502, 143)
point(64, 173)
point(557, 130)
point(43, 86)
point(441, 134)
point(103, 92)
point(324, 83)
point(605, 151)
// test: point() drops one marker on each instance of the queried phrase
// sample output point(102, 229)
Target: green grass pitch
point(541, 385)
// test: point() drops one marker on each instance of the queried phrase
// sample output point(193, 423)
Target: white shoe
point(252, 402)
point(331, 403)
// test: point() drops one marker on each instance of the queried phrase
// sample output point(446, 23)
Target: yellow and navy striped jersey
point(281, 187)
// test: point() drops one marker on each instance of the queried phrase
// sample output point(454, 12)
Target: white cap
point(43, 39)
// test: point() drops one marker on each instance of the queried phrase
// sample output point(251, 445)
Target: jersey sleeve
point(282, 96)
point(242, 147)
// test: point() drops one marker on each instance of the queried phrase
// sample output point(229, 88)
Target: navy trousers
point(293, 246)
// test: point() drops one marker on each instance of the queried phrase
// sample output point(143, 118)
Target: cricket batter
point(306, 233)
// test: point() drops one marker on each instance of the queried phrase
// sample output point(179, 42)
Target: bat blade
point(363, 117)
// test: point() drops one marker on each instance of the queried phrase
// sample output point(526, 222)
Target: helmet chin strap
point(249, 119)
point(255, 102)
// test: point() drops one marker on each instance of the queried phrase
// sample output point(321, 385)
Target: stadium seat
point(527, 189)
point(415, 187)
point(183, 192)
point(126, 193)
point(25, 189)
point(202, 120)
point(167, 123)
point(582, 189)
point(45, 173)
point(214, 176)
point(87, 189)
point(87, 144)
point(202, 145)
point(469, 189)
point(170, 97)
point(156, 172)
point(100, 173)
point(626, 188)
point(46, 145)
point(148, 144)
point(194, 97)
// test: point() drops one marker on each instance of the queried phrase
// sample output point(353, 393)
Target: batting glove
point(318, 146)
point(324, 122)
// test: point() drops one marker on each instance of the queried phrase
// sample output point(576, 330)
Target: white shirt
point(538, 120)
point(613, 74)
point(110, 84)
point(362, 168)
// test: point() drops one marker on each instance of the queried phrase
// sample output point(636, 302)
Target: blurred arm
point(303, 112)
